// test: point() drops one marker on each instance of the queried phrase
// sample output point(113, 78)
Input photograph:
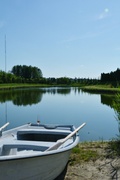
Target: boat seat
point(23, 146)
point(10, 148)
point(34, 135)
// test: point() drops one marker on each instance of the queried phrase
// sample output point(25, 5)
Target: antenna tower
point(5, 56)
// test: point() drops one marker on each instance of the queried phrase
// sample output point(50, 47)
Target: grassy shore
point(88, 151)
point(17, 85)
point(101, 89)
point(94, 160)
point(91, 88)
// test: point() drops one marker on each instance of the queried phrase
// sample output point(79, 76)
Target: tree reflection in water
point(116, 106)
point(21, 96)
point(29, 96)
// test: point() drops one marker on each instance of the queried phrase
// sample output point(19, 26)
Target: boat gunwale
point(39, 154)
point(68, 148)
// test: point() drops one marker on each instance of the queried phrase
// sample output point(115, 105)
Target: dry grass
point(87, 151)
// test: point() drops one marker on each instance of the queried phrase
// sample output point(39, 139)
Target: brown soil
point(104, 169)
point(105, 166)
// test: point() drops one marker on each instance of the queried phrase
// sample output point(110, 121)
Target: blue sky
point(72, 38)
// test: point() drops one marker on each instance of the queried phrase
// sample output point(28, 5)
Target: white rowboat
point(35, 151)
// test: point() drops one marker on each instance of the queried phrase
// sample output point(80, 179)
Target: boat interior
point(31, 141)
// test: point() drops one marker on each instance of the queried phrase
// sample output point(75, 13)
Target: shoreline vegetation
point(94, 160)
point(87, 151)
point(90, 88)
point(101, 89)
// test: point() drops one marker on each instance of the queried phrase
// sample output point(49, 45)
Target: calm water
point(61, 106)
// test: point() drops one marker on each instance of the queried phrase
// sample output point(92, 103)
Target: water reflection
point(29, 96)
point(60, 106)
point(116, 106)
point(21, 97)
point(54, 90)
point(107, 99)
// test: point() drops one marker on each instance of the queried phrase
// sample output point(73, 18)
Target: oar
point(61, 141)
point(4, 126)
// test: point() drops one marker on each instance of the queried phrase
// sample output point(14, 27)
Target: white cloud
point(104, 14)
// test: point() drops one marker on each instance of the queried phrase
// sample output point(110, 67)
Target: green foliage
point(83, 152)
point(91, 151)
point(116, 106)
point(112, 77)
point(7, 77)
point(114, 148)
point(27, 72)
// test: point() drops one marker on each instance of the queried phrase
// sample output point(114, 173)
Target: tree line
point(112, 77)
point(29, 74)
point(21, 74)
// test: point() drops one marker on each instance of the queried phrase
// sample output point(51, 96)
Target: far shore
point(17, 85)
point(101, 89)
point(91, 88)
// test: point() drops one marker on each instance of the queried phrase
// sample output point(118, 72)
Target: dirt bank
point(102, 163)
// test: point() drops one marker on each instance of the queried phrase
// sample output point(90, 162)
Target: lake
point(61, 106)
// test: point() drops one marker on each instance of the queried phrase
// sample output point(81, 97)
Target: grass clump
point(91, 151)
point(114, 148)
point(83, 152)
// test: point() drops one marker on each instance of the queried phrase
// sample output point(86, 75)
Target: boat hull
point(36, 152)
point(46, 167)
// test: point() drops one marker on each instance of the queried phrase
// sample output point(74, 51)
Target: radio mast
point(5, 56)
